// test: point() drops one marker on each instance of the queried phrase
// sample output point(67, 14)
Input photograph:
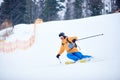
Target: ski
point(85, 60)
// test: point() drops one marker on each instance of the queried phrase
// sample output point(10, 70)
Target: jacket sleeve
point(61, 49)
point(71, 38)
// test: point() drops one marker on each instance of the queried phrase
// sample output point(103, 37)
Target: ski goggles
point(61, 37)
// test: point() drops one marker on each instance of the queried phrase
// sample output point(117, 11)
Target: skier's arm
point(61, 49)
point(73, 39)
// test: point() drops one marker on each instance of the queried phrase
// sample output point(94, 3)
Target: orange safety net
point(7, 47)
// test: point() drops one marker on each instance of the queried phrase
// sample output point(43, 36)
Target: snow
point(20, 30)
point(39, 62)
point(1, 2)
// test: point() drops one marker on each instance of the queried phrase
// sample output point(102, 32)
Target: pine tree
point(96, 7)
point(51, 9)
point(118, 4)
point(74, 9)
point(28, 12)
point(5, 9)
point(69, 14)
point(13, 10)
point(78, 9)
point(40, 8)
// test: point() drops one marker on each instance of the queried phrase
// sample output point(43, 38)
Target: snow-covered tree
point(51, 8)
point(78, 8)
point(109, 6)
point(69, 14)
point(95, 7)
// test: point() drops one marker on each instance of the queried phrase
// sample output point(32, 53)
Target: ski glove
point(74, 40)
point(58, 55)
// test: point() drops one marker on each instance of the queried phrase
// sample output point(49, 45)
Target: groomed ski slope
point(39, 62)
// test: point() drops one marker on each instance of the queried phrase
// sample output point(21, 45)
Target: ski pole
point(91, 36)
point(79, 47)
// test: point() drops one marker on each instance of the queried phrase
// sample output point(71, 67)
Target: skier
point(68, 44)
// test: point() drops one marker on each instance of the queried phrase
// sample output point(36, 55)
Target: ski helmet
point(61, 34)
